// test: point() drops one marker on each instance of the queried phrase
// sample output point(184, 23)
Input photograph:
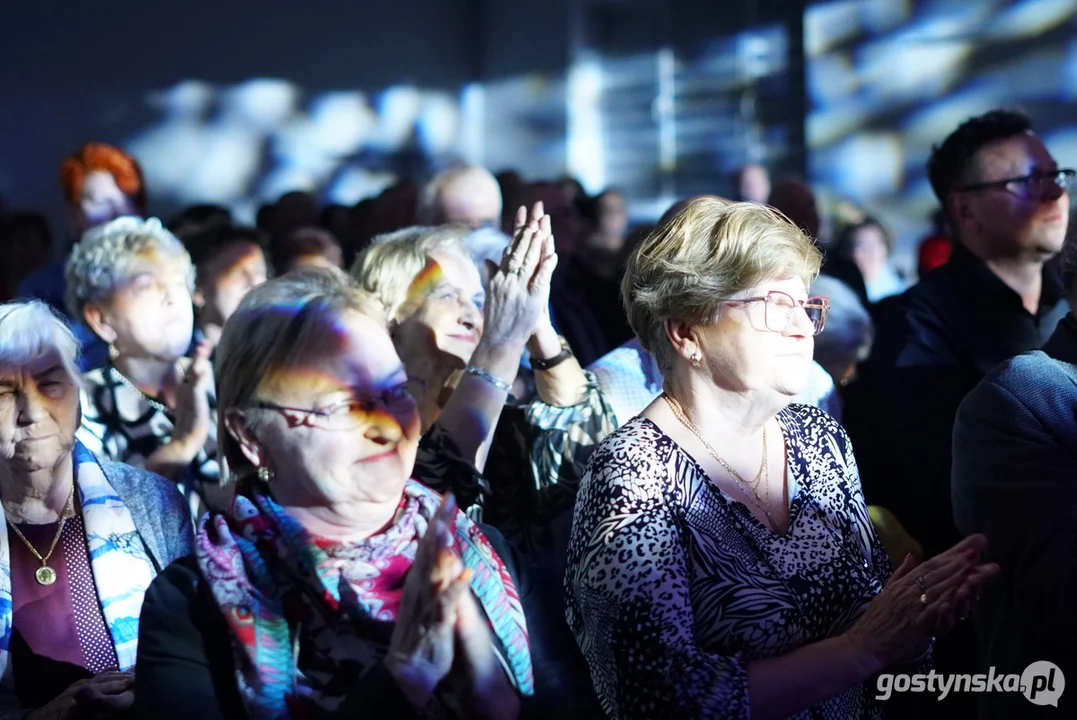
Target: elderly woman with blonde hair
point(82, 538)
point(461, 344)
point(335, 585)
point(151, 405)
point(722, 561)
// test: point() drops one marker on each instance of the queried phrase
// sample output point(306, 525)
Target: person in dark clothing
point(1015, 479)
point(1008, 205)
point(341, 584)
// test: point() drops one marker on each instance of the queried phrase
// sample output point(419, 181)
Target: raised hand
point(520, 289)
point(422, 647)
point(193, 418)
point(922, 601)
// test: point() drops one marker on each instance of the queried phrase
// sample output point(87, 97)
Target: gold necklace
point(44, 574)
point(762, 504)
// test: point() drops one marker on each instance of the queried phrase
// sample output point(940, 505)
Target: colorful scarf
point(275, 583)
point(121, 567)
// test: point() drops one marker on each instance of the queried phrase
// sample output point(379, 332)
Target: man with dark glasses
point(1007, 202)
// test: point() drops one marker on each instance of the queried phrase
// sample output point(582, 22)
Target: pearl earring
point(696, 358)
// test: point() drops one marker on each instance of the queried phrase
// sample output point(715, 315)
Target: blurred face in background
point(754, 185)
point(870, 250)
point(225, 281)
point(101, 201)
point(472, 199)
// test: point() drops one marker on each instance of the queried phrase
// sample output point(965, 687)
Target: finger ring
point(920, 584)
point(923, 599)
point(515, 270)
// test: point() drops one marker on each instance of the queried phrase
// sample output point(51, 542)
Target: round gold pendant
point(45, 575)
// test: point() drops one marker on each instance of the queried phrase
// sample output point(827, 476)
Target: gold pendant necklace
point(762, 475)
point(44, 574)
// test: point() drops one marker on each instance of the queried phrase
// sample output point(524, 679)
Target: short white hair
point(30, 330)
point(101, 260)
point(467, 179)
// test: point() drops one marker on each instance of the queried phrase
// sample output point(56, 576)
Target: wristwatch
point(550, 363)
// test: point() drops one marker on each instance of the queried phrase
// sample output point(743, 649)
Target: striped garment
point(305, 612)
point(121, 568)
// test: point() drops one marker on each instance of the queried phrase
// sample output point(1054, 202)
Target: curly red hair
point(99, 156)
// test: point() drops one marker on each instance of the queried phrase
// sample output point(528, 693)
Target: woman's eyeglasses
point(350, 413)
point(780, 306)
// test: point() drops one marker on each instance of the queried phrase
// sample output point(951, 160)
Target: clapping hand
point(921, 601)
point(421, 650)
point(519, 295)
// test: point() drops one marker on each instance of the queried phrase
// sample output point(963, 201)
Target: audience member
point(100, 183)
point(751, 183)
point(82, 538)
point(152, 404)
point(306, 247)
point(867, 245)
point(371, 594)
point(993, 300)
point(695, 591)
point(468, 195)
point(1008, 204)
point(1015, 480)
point(444, 325)
point(229, 262)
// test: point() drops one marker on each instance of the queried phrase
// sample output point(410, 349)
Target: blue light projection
point(887, 79)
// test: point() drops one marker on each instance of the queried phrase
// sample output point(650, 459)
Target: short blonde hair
point(100, 261)
point(388, 266)
point(31, 329)
point(708, 252)
point(277, 325)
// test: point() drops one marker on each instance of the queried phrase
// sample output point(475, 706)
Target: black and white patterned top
point(120, 424)
point(672, 587)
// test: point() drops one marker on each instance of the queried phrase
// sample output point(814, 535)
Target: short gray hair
point(277, 325)
point(388, 266)
point(708, 251)
point(30, 330)
point(100, 261)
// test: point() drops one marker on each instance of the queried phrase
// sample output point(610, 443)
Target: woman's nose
point(383, 428)
point(31, 407)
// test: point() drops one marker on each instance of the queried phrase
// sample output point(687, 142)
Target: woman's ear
point(235, 421)
point(99, 322)
point(683, 338)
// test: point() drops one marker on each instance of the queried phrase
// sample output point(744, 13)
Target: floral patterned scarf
point(306, 612)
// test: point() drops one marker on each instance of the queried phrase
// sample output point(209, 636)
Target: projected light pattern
point(887, 79)
point(241, 146)
point(656, 125)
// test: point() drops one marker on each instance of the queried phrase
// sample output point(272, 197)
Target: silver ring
point(923, 599)
point(920, 584)
point(515, 271)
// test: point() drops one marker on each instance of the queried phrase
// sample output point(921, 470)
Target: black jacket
point(1015, 480)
